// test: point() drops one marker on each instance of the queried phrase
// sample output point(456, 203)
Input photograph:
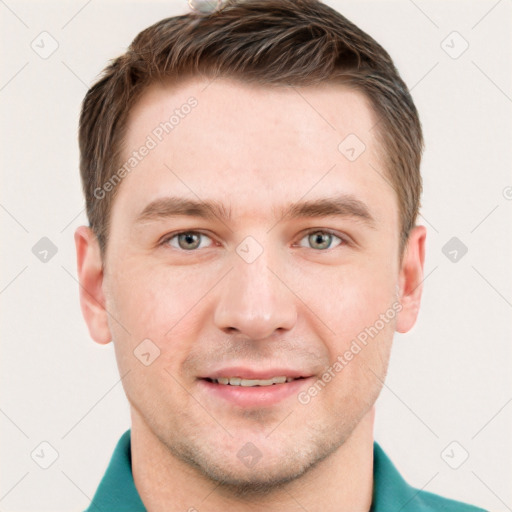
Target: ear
point(411, 278)
point(90, 276)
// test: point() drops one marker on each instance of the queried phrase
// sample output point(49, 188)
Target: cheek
point(363, 320)
point(357, 302)
point(158, 317)
point(351, 297)
point(364, 334)
point(160, 304)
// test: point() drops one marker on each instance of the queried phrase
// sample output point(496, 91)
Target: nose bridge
point(254, 301)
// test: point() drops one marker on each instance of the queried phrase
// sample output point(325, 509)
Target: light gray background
point(449, 378)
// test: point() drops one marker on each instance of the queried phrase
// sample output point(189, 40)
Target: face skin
point(298, 306)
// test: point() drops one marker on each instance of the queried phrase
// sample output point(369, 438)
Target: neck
point(342, 482)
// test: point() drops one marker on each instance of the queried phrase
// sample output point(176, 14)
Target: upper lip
point(250, 373)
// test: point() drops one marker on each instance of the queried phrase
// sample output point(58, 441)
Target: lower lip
point(255, 396)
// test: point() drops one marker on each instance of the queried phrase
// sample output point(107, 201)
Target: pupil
point(188, 238)
point(322, 239)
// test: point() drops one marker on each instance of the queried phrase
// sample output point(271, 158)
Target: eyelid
point(345, 239)
point(167, 238)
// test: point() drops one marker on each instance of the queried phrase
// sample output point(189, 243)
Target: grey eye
point(187, 240)
point(320, 240)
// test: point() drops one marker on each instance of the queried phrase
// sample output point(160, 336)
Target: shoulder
point(427, 501)
point(392, 493)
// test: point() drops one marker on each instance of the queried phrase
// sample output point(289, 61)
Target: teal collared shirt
point(391, 493)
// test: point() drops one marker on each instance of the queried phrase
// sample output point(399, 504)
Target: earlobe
point(411, 279)
point(90, 276)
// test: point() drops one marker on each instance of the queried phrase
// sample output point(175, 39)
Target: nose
point(254, 299)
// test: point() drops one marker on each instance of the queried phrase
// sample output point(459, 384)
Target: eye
point(185, 240)
point(321, 239)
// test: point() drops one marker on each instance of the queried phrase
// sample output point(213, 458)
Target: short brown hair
point(267, 42)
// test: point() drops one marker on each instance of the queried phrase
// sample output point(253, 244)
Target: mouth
point(249, 383)
point(251, 389)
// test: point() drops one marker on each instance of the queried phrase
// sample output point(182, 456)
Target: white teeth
point(237, 381)
point(255, 382)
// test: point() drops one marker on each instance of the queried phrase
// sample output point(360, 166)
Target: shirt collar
point(117, 489)
point(390, 490)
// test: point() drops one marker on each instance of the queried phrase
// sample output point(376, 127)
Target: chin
point(253, 482)
point(256, 473)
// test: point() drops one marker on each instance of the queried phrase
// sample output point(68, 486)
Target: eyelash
point(343, 239)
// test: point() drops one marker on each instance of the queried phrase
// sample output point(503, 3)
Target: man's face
point(262, 293)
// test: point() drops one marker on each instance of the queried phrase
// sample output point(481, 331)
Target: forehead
point(251, 145)
point(326, 111)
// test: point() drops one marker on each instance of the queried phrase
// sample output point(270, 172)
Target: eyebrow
point(344, 205)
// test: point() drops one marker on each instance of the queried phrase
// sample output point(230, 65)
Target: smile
point(251, 393)
point(238, 381)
